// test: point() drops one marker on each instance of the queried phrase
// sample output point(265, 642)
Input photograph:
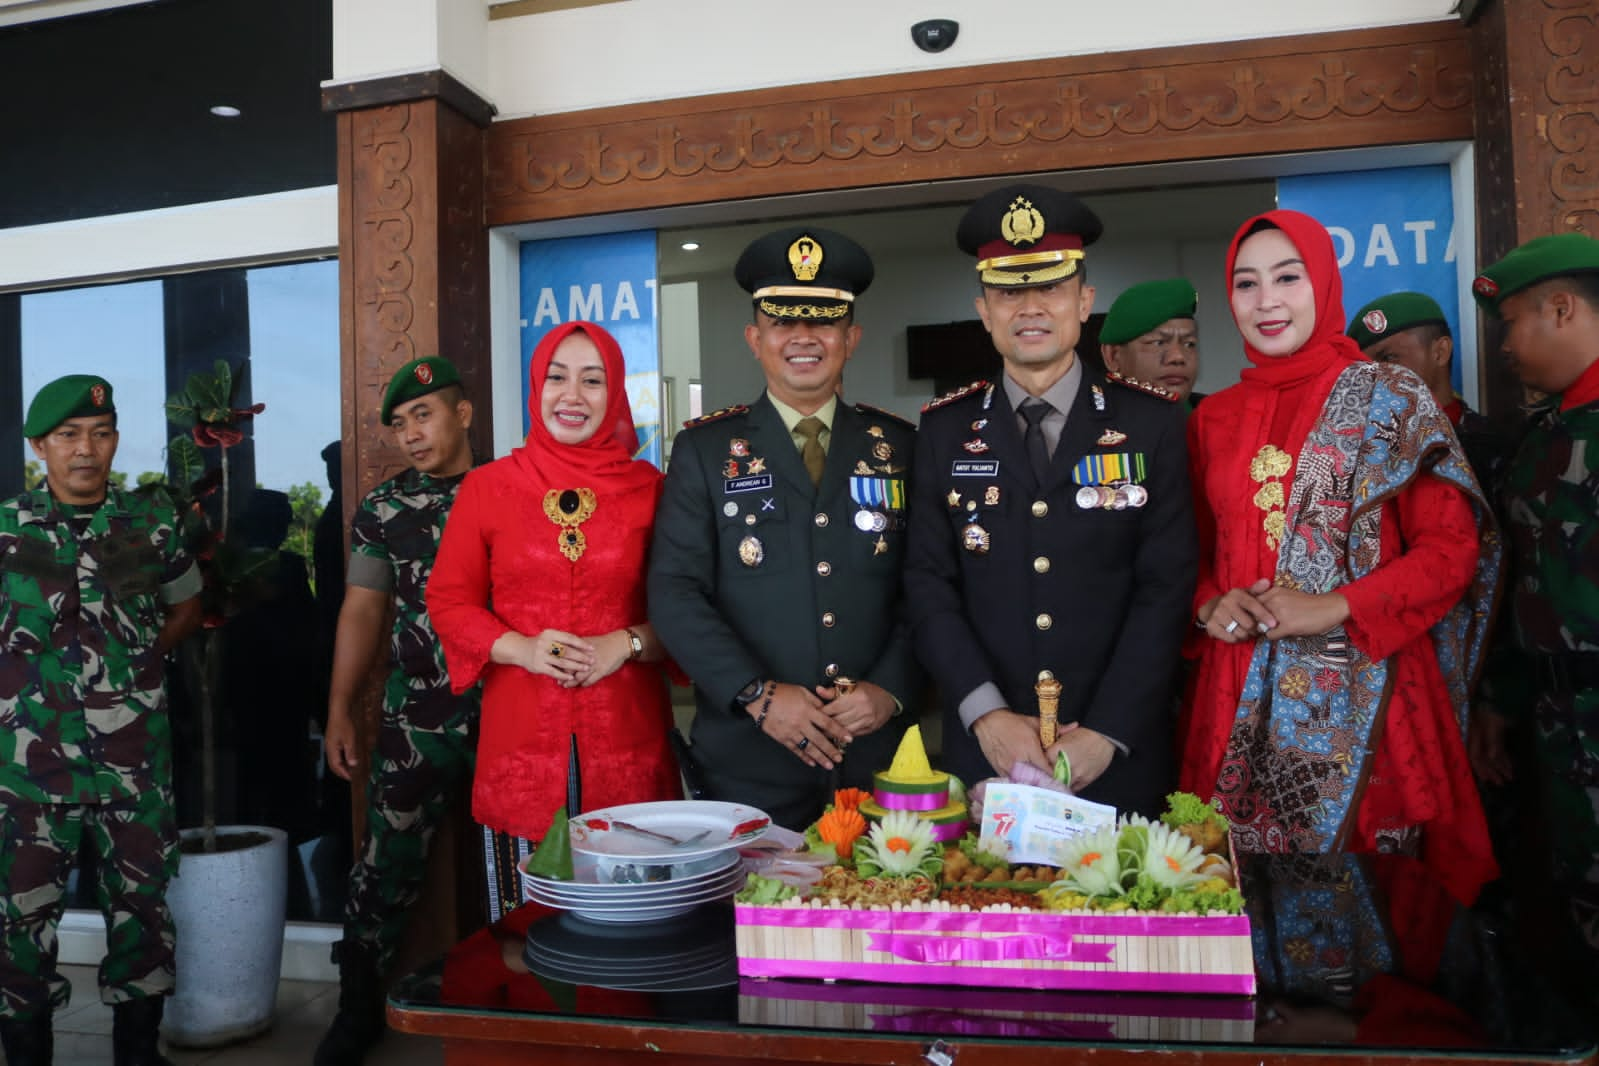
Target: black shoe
point(359, 1024)
point(136, 1032)
point(28, 1041)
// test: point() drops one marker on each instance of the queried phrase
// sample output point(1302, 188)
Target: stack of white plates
point(604, 901)
point(625, 872)
point(687, 955)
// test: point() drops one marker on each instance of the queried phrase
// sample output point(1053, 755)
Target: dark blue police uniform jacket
point(1100, 596)
point(762, 575)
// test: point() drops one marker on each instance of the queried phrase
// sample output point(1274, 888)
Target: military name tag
point(974, 468)
point(747, 484)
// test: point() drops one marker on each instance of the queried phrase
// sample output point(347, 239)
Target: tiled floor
point(83, 1032)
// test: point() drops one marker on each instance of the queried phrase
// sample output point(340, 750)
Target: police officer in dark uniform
point(775, 575)
point(1052, 528)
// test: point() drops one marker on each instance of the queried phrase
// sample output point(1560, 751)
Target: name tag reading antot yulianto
point(974, 468)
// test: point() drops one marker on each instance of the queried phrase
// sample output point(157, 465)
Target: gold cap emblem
point(805, 258)
point(1022, 224)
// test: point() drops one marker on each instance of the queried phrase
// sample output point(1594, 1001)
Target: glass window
point(278, 327)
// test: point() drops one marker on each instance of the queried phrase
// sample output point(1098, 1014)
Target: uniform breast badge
point(1110, 438)
point(738, 447)
point(757, 465)
point(976, 447)
point(861, 469)
point(954, 498)
point(730, 470)
point(750, 551)
point(975, 539)
point(991, 496)
point(1099, 397)
point(569, 509)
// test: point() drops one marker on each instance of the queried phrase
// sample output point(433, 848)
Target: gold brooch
point(570, 508)
point(1270, 464)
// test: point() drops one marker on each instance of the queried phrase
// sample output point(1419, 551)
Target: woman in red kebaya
point(539, 590)
point(1348, 563)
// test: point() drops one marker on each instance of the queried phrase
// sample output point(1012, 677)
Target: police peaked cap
point(1025, 235)
point(804, 272)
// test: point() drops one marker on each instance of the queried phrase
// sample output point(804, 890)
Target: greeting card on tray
point(1036, 823)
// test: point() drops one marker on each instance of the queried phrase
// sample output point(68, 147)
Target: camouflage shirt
point(83, 712)
point(1551, 510)
point(393, 542)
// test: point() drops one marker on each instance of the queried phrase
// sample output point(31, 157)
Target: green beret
point(804, 272)
point(74, 396)
point(1394, 313)
point(1538, 260)
point(1027, 235)
point(1146, 306)
point(416, 379)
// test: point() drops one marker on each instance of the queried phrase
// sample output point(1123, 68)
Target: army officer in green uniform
point(775, 573)
point(94, 589)
point(1547, 294)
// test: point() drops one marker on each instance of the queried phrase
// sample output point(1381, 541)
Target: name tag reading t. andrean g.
point(753, 483)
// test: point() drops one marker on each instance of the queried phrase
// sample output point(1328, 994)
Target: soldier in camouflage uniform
point(1547, 293)
point(426, 736)
point(95, 588)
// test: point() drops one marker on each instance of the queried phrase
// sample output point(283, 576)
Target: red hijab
point(1327, 344)
point(605, 461)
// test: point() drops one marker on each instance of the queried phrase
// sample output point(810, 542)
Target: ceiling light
point(691, 246)
point(225, 111)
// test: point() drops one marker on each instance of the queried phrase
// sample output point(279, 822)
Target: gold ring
point(556, 651)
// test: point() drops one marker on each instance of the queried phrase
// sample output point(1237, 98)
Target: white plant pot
point(228, 907)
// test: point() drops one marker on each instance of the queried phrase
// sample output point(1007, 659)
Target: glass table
point(1361, 958)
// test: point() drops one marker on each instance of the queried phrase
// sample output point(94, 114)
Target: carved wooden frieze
point(1388, 86)
point(1570, 32)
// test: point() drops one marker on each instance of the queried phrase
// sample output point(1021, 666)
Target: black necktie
point(1035, 411)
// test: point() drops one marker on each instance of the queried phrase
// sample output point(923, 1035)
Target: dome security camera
point(935, 35)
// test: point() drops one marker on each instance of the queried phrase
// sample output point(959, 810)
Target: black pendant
point(569, 501)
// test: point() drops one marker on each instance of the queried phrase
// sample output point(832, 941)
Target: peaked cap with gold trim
point(1026, 235)
point(804, 272)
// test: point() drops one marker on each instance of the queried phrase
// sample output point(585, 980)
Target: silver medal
point(1088, 497)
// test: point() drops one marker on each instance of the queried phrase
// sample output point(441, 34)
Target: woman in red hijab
point(539, 591)
point(1348, 563)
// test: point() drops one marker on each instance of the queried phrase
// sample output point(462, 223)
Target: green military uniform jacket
point(755, 573)
point(394, 539)
point(83, 709)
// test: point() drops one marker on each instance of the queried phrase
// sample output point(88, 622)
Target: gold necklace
point(570, 508)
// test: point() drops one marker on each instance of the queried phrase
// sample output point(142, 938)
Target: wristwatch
point(750, 693)
point(635, 644)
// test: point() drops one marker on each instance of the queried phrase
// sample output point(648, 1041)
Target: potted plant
point(228, 900)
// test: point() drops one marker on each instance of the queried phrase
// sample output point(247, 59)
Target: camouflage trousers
point(1568, 750)
point(135, 847)
point(425, 751)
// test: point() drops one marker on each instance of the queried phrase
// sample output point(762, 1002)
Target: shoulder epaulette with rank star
point(951, 397)
point(716, 416)
point(868, 409)
point(1142, 386)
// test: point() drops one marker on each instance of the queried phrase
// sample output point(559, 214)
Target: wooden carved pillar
point(1537, 134)
point(413, 281)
